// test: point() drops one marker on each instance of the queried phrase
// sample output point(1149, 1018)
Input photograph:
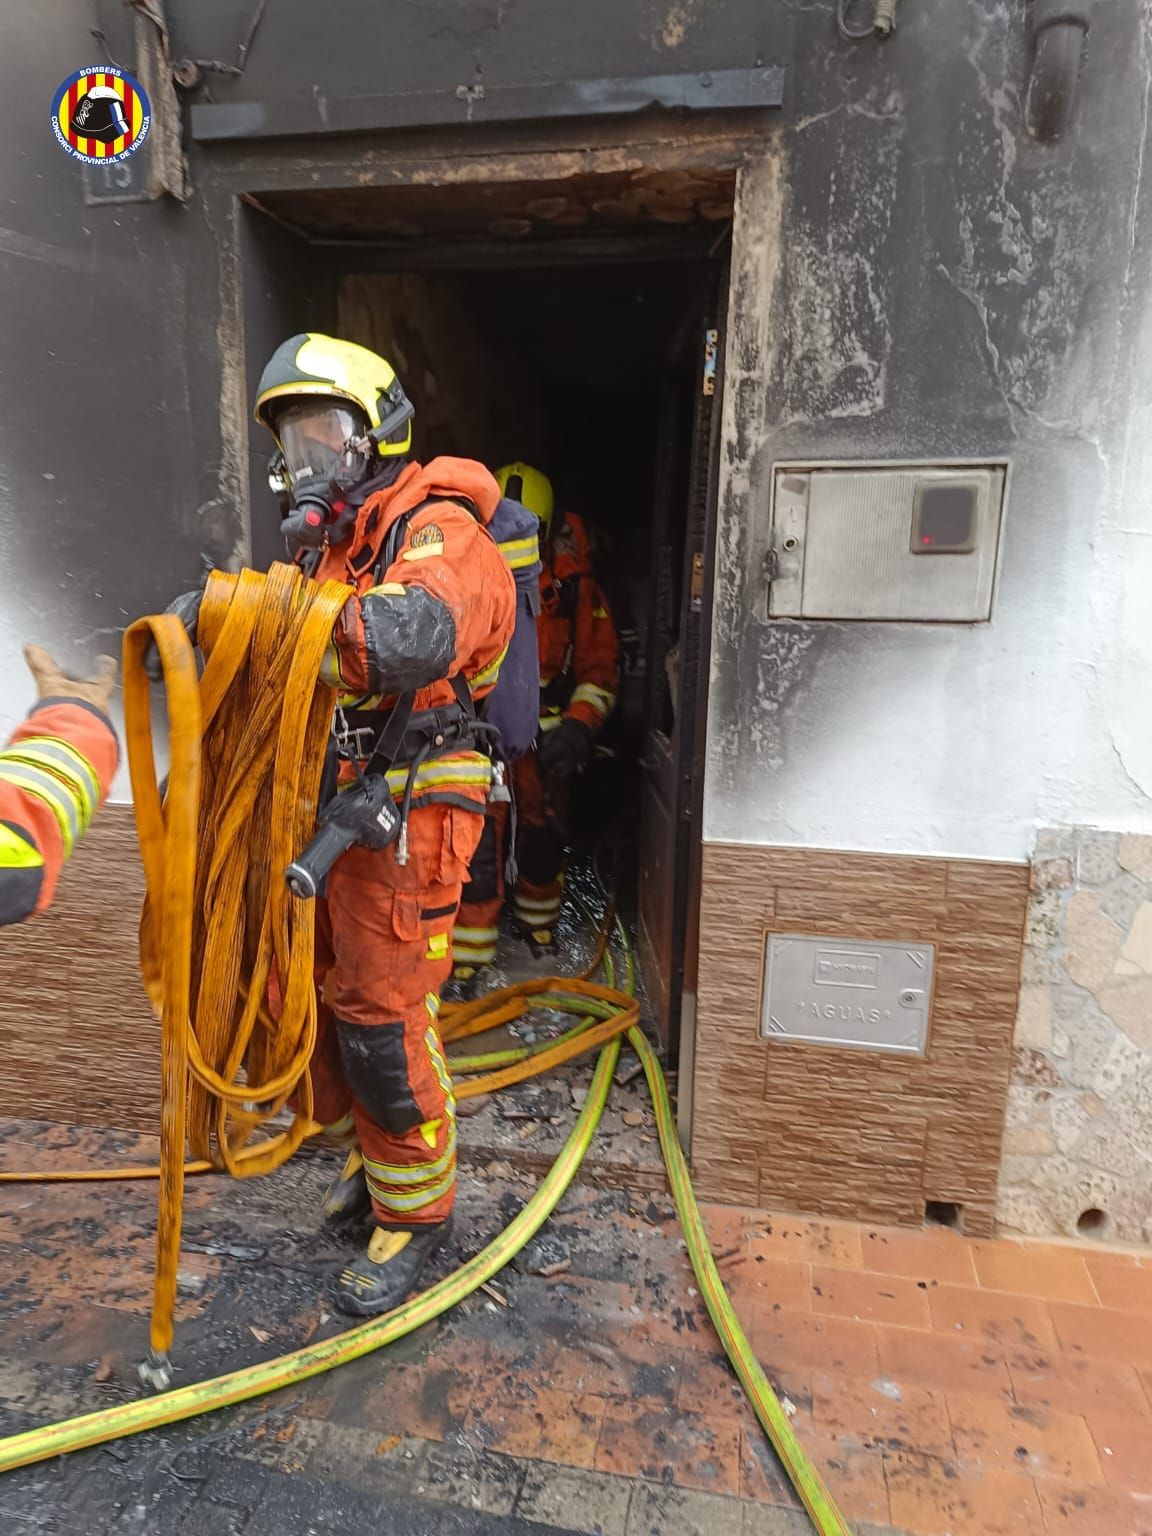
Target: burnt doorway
point(576, 326)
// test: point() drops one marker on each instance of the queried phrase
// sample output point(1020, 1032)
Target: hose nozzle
point(155, 1371)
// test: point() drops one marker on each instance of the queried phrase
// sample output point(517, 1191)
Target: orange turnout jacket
point(579, 653)
point(448, 592)
point(54, 774)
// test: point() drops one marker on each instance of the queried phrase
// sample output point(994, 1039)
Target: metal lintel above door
point(701, 91)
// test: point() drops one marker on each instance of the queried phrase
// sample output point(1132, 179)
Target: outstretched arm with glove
point(566, 748)
point(54, 775)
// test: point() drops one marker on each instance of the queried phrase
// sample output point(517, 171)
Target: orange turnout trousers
point(435, 607)
point(383, 951)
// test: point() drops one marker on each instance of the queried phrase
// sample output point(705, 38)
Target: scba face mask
point(326, 454)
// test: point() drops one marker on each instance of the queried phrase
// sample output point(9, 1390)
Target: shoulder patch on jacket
point(431, 533)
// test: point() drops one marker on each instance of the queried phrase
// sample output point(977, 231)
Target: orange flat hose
point(246, 749)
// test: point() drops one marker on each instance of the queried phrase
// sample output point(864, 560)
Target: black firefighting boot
point(347, 1197)
point(387, 1274)
point(466, 983)
point(541, 941)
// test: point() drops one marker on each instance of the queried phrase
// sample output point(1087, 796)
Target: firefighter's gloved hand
point(187, 609)
point(52, 683)
point(563, 751)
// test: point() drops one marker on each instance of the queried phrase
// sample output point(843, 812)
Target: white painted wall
point(989, 297)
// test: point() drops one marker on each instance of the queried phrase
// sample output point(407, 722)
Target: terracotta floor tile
point(870, 1298)
point(668, 1446)
point(854, 1475)
point(831, 1244)
point(549, 1426)
point(933, 1254)
point(762, 1282)
point(709, 1385)
point(610, 1302)
point(949, 1363)
point(1071, 1509)
point(801, 1341)
point(571, 1429)
point(935, 1498)
point(1125, 1446)
point(761, 1475)
point(406, 1399)
point(617, 1365)
point(1036, 1442)
point(877, 1414)
point(1009, 1324)
point(684, 1325)
point(1102, 1333)
point(727, 1225)
point(1127, 1287)
point(75, 1333)
point(511, 1422)
point(1074, 1385)
point(1033, 1269)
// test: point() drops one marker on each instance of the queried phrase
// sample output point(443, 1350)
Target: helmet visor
point(313, 436)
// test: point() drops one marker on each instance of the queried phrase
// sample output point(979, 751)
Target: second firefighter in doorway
point(578, 683)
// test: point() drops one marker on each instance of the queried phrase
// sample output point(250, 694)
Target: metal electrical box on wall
point(915, 542)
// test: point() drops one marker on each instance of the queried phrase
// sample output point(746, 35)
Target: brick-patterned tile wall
point(76, 1029)
point(846, 1132)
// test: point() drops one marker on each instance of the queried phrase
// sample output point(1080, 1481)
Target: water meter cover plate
point(864, 994)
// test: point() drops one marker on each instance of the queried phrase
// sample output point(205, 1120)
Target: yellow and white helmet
point(531, 488)
point(358, 382)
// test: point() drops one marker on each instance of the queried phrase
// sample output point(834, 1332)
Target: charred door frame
point(673, 759)
point(231, 176)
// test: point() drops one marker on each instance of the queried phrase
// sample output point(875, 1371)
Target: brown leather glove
point(52, 683)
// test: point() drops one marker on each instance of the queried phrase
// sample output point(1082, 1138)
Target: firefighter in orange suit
point(54, 775)
point(410, 654)
point(578, 683)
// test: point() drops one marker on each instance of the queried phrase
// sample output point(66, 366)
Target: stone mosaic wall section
point(1078, 1138)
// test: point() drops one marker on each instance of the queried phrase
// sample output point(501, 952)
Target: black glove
point(186, 607)
point(564, 750)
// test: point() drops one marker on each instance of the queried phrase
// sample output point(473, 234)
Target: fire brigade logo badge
point(429, 534)
point(101, 115)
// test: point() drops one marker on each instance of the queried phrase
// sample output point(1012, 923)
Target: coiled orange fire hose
point(246, 753)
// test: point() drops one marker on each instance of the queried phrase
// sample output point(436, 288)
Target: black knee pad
point(376, 1070)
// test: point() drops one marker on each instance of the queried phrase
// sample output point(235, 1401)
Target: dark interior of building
point(570, 326)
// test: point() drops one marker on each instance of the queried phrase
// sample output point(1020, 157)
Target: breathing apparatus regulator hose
point(246, 748)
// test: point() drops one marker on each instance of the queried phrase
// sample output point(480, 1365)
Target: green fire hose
point(288, 1370)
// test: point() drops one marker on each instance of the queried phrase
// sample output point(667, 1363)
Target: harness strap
point(391, 737)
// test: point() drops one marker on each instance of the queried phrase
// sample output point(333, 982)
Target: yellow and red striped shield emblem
point(100, 115)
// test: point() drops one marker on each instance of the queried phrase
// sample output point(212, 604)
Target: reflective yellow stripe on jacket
point(601, 699)
point(521, 553)
point(18, 852)
point(59, 776)
point(466, 770)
